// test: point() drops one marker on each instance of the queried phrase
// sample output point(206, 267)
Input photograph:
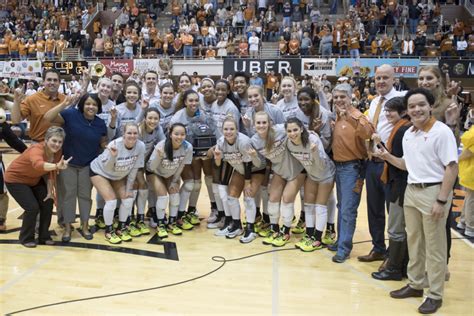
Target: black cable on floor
point(219, 259)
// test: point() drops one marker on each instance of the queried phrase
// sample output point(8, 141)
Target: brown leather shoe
point(406, 292)
point(372, 256)
point(430, 306)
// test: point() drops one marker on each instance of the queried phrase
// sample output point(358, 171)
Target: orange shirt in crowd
point(34, 108)
point(294, 46)
point(22, 49)
point(28, 168)
point(210, 53)
point(4, 49)
point(31, 48)
point(187, 39)
point(354, 42)
point(40, 46)
point(50, 45)
point(13, 45)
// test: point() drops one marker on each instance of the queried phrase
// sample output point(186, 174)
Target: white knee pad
point(162, 202)
point(109, 209)
point(125, 208)
point(188, 185)
point(287, 213)
point(174, 199)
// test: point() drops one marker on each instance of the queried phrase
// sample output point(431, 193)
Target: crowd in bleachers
point(213, 29)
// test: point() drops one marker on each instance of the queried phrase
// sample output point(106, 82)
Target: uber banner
point(262, 66)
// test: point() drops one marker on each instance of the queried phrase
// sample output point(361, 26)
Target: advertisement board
point(366, 67)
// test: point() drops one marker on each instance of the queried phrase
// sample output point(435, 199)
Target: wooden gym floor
point(180, 277)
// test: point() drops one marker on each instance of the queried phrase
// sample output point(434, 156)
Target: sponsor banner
point(318, 67)
point(20, 68)
point(124, 66)
point(463, 68)
point(67, 68)
point(158, 65)
point(262, 66)
point(407, 68)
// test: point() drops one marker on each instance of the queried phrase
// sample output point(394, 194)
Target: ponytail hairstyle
point(127, 125)
point(230, 94)
point(169, 143)
point(295, 85)
point(270, 140)
point(142, 125)
point(304, 131)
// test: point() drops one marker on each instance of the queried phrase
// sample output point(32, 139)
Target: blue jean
point(377, 193)
point(412, 23)
point(188, 51)
point(354, 53)
point(348, 198)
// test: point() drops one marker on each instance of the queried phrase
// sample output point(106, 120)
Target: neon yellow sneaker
point(133, 230)
point(174, 229)
point(144, 230)
point(113, 238)
point(280, 240)
point(269, 239)
point(300, 227)
point(302, 241)
point(116, 222)
point(192, 218)
point(265, 230)
point(123, 234)
point(99, 222)
point(161, 231)
point(329, 237)
point(184, 224)
point(311, 245)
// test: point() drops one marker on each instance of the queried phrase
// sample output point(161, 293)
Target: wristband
point(441, 202)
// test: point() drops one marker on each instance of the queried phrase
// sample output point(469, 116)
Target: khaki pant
point(426, 239)
point(3, 206)
point(467, 215)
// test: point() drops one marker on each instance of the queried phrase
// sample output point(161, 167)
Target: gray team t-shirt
point(318, 165)
point(162, 166)
point(289, 109)
point(283, 163)
point(325, 132)
point(151, 139)
point(237, 153)
point(275, 114)
point(125, 163)
point(165, 115)
point(105, 115)
point(220, 112)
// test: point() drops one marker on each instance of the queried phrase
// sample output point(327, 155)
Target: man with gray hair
point(351, 130)
point(376, 189)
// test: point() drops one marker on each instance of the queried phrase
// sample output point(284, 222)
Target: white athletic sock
point(174, 203)
point(234, 207)
point(125, 209)
point(109, 209)
point(217, 197)
point(250, 209)
point(141, 201)
point(224, 197)
point(274, 212)
point(321, 217)
point(309, 212)
point(161, 203)
point(287, 213)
